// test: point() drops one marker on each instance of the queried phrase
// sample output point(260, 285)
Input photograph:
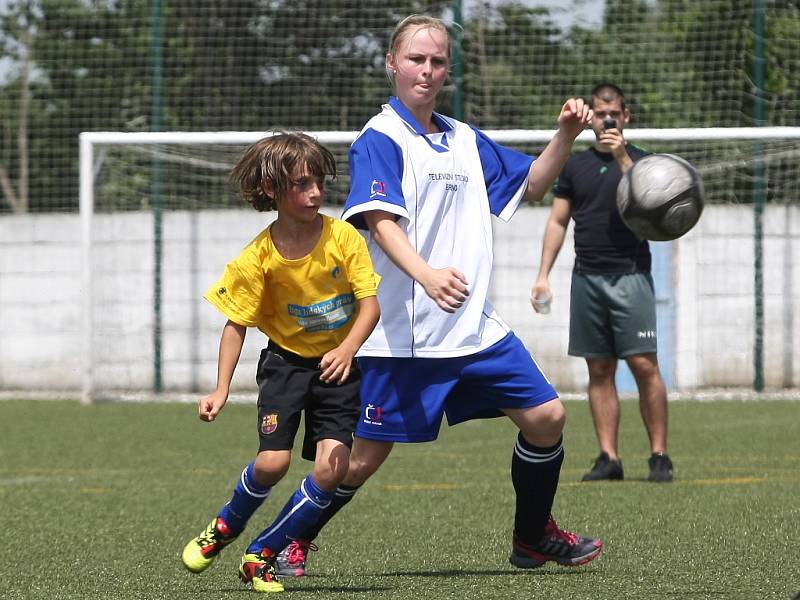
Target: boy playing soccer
point(307, 282)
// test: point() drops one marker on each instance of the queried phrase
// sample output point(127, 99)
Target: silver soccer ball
point(661, 197)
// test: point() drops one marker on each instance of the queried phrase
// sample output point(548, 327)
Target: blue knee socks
point(299, 514)
point(248, 495)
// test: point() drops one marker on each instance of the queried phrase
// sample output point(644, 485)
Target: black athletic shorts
point(289, 384)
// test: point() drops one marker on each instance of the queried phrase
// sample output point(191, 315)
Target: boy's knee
point(328, 479)
point(331, 464)
point(271, 465)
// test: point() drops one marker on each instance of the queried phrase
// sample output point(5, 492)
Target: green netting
point(200, 65)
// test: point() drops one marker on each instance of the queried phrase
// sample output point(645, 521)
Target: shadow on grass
point(339, 589)
point(560, 571)
point(332, 589)
point(309, 587)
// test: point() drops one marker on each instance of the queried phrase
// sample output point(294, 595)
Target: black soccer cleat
point(605, 469)
point(557, 545)
point(660, 468)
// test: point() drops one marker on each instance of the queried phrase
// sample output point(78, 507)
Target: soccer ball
point(661, 197)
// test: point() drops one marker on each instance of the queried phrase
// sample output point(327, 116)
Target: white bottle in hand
point(541, 303)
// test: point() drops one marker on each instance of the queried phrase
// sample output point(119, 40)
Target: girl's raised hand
point(575, 116)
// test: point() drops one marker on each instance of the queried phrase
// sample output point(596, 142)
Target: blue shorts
point(403, 399)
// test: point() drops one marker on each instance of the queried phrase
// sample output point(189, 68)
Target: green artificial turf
point(98, 501)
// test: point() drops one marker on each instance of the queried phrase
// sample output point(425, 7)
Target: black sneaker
point(605, 469)
point(557, 545)
point(660, 468)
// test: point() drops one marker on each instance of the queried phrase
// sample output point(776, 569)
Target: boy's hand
point(447, 287)
point(209, 406)
point(336, 365)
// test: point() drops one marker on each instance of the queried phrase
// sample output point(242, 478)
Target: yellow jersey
point(305, 305)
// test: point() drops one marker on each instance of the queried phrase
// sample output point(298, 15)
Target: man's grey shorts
point(612, 315)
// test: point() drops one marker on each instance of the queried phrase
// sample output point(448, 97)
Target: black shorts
point(289, 384)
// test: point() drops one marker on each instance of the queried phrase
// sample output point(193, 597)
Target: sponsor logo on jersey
point(646, 335)
point(378, 188)
point(336, 272)
point(324, 316)
point(451, 180)
point(458, 177)
point(373, 415)
point(269, 423)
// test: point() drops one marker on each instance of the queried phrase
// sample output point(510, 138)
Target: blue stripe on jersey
point(376, 167)
point(443, 124)
point(504, 170)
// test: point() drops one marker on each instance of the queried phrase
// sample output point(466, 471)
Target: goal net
point(160, 220)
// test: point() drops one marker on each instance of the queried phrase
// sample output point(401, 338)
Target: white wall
point(40, 299)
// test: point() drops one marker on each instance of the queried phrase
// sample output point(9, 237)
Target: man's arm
point(554, 234)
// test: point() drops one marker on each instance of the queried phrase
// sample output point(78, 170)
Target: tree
point(511, 54)
point(18, 26)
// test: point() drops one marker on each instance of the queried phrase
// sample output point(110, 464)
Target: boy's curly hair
point(276, 159)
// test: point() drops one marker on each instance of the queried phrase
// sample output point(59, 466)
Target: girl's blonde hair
point(276, 159)
point(414, 22)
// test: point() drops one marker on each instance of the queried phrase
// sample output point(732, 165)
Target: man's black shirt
point(603, 243)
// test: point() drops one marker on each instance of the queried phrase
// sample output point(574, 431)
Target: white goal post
point(91, 163)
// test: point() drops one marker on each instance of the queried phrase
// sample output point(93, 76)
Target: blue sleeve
point(376, 178)
point(504, 171)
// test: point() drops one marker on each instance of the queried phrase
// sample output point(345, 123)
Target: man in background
point(612, 299)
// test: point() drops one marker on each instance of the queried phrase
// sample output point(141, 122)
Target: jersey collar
point(442, 122)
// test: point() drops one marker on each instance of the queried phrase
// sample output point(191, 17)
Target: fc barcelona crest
point(269, 423)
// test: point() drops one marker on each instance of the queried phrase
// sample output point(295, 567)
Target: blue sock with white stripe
point(534, 473)
point(343, 495)
point(301, 512)
point(248, 495)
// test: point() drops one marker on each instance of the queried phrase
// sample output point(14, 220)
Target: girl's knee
point(554, 418)
point(359, 472)
point(362, 466)
point(543, 424)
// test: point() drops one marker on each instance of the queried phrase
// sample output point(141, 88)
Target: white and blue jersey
point(443, 187)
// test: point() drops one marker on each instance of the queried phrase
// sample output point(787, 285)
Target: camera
point(609, 123)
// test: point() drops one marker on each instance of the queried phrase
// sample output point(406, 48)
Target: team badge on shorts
point(373, 415)
point(269, 423)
